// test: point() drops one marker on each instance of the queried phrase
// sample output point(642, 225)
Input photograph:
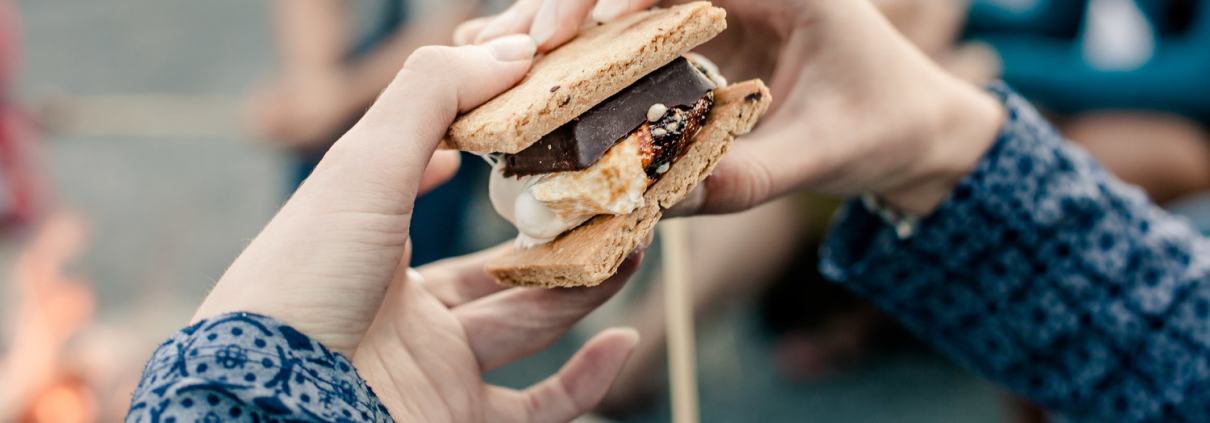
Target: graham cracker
point(592, 252)
point(586, 71)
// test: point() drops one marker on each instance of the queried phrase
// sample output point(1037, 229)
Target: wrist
point(965, 129)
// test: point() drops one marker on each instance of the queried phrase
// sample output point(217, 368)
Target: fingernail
point(545, 22)
point(462, 34)
point(608, 10)
point(512, 48)
point(497, 27)
point(415, 277)
point(631, 333)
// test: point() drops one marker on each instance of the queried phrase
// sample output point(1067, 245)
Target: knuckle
point(758, 185)
point(432, 71)
point(430, 60)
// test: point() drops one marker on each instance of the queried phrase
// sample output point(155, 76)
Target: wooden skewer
point(678, 306)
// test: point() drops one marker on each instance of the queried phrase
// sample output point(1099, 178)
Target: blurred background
point(143, 143)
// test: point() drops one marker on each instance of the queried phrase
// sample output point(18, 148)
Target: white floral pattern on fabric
point(244, 367)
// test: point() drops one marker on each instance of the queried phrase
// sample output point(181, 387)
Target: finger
point(466, 32)
point(441, 168)
point(460, 280)
point(380, 161)
point(516, 20)
point(608, 10)
point(575, 389)
point(742, 180)
point(689, 205)
point(515, 323)
point(558, 21)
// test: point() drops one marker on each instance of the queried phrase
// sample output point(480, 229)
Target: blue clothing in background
point(1042, 56)
point(1044, 272)
point(1051, 18)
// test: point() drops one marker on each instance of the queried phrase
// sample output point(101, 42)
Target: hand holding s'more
point(605, 133)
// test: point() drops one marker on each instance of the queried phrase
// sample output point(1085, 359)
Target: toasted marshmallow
point(544, 206)
point(613, 185)
point(513, 200)
point(711, 69)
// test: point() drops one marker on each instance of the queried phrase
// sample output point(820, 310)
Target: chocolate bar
point(579, 143)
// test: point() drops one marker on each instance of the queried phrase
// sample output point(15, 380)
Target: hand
point(425, 353)
point(333, 264)
point(856, 108)
point(302, 111)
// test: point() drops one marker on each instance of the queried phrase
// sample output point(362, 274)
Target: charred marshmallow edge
point(600, 163)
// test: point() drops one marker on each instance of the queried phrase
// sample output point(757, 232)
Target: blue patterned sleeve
point(1045, 273)
point(249, 368)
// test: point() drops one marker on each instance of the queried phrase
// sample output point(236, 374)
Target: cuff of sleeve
point(243, 363)
point(976, 217)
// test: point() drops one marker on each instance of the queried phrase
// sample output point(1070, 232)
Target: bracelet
point(903, 222)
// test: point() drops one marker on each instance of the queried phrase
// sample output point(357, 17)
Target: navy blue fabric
point(244, 367)
point(1046, 273)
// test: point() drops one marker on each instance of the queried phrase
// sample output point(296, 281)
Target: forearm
point(1044, 272)
point(241, 365)
point(312, 35)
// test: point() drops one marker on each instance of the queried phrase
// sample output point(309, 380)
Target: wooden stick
point(678, 307)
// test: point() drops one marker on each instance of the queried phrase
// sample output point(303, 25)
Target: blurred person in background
point(336, 56)
point(58, 365)
point(24, 186)
point(1123, 78)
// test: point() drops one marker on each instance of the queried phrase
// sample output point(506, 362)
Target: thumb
point(382, 158)
point(325, 259)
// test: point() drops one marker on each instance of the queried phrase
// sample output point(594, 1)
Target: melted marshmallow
point(712, 71)
point(544, 206)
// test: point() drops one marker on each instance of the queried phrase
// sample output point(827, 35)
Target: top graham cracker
point(586, 71)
